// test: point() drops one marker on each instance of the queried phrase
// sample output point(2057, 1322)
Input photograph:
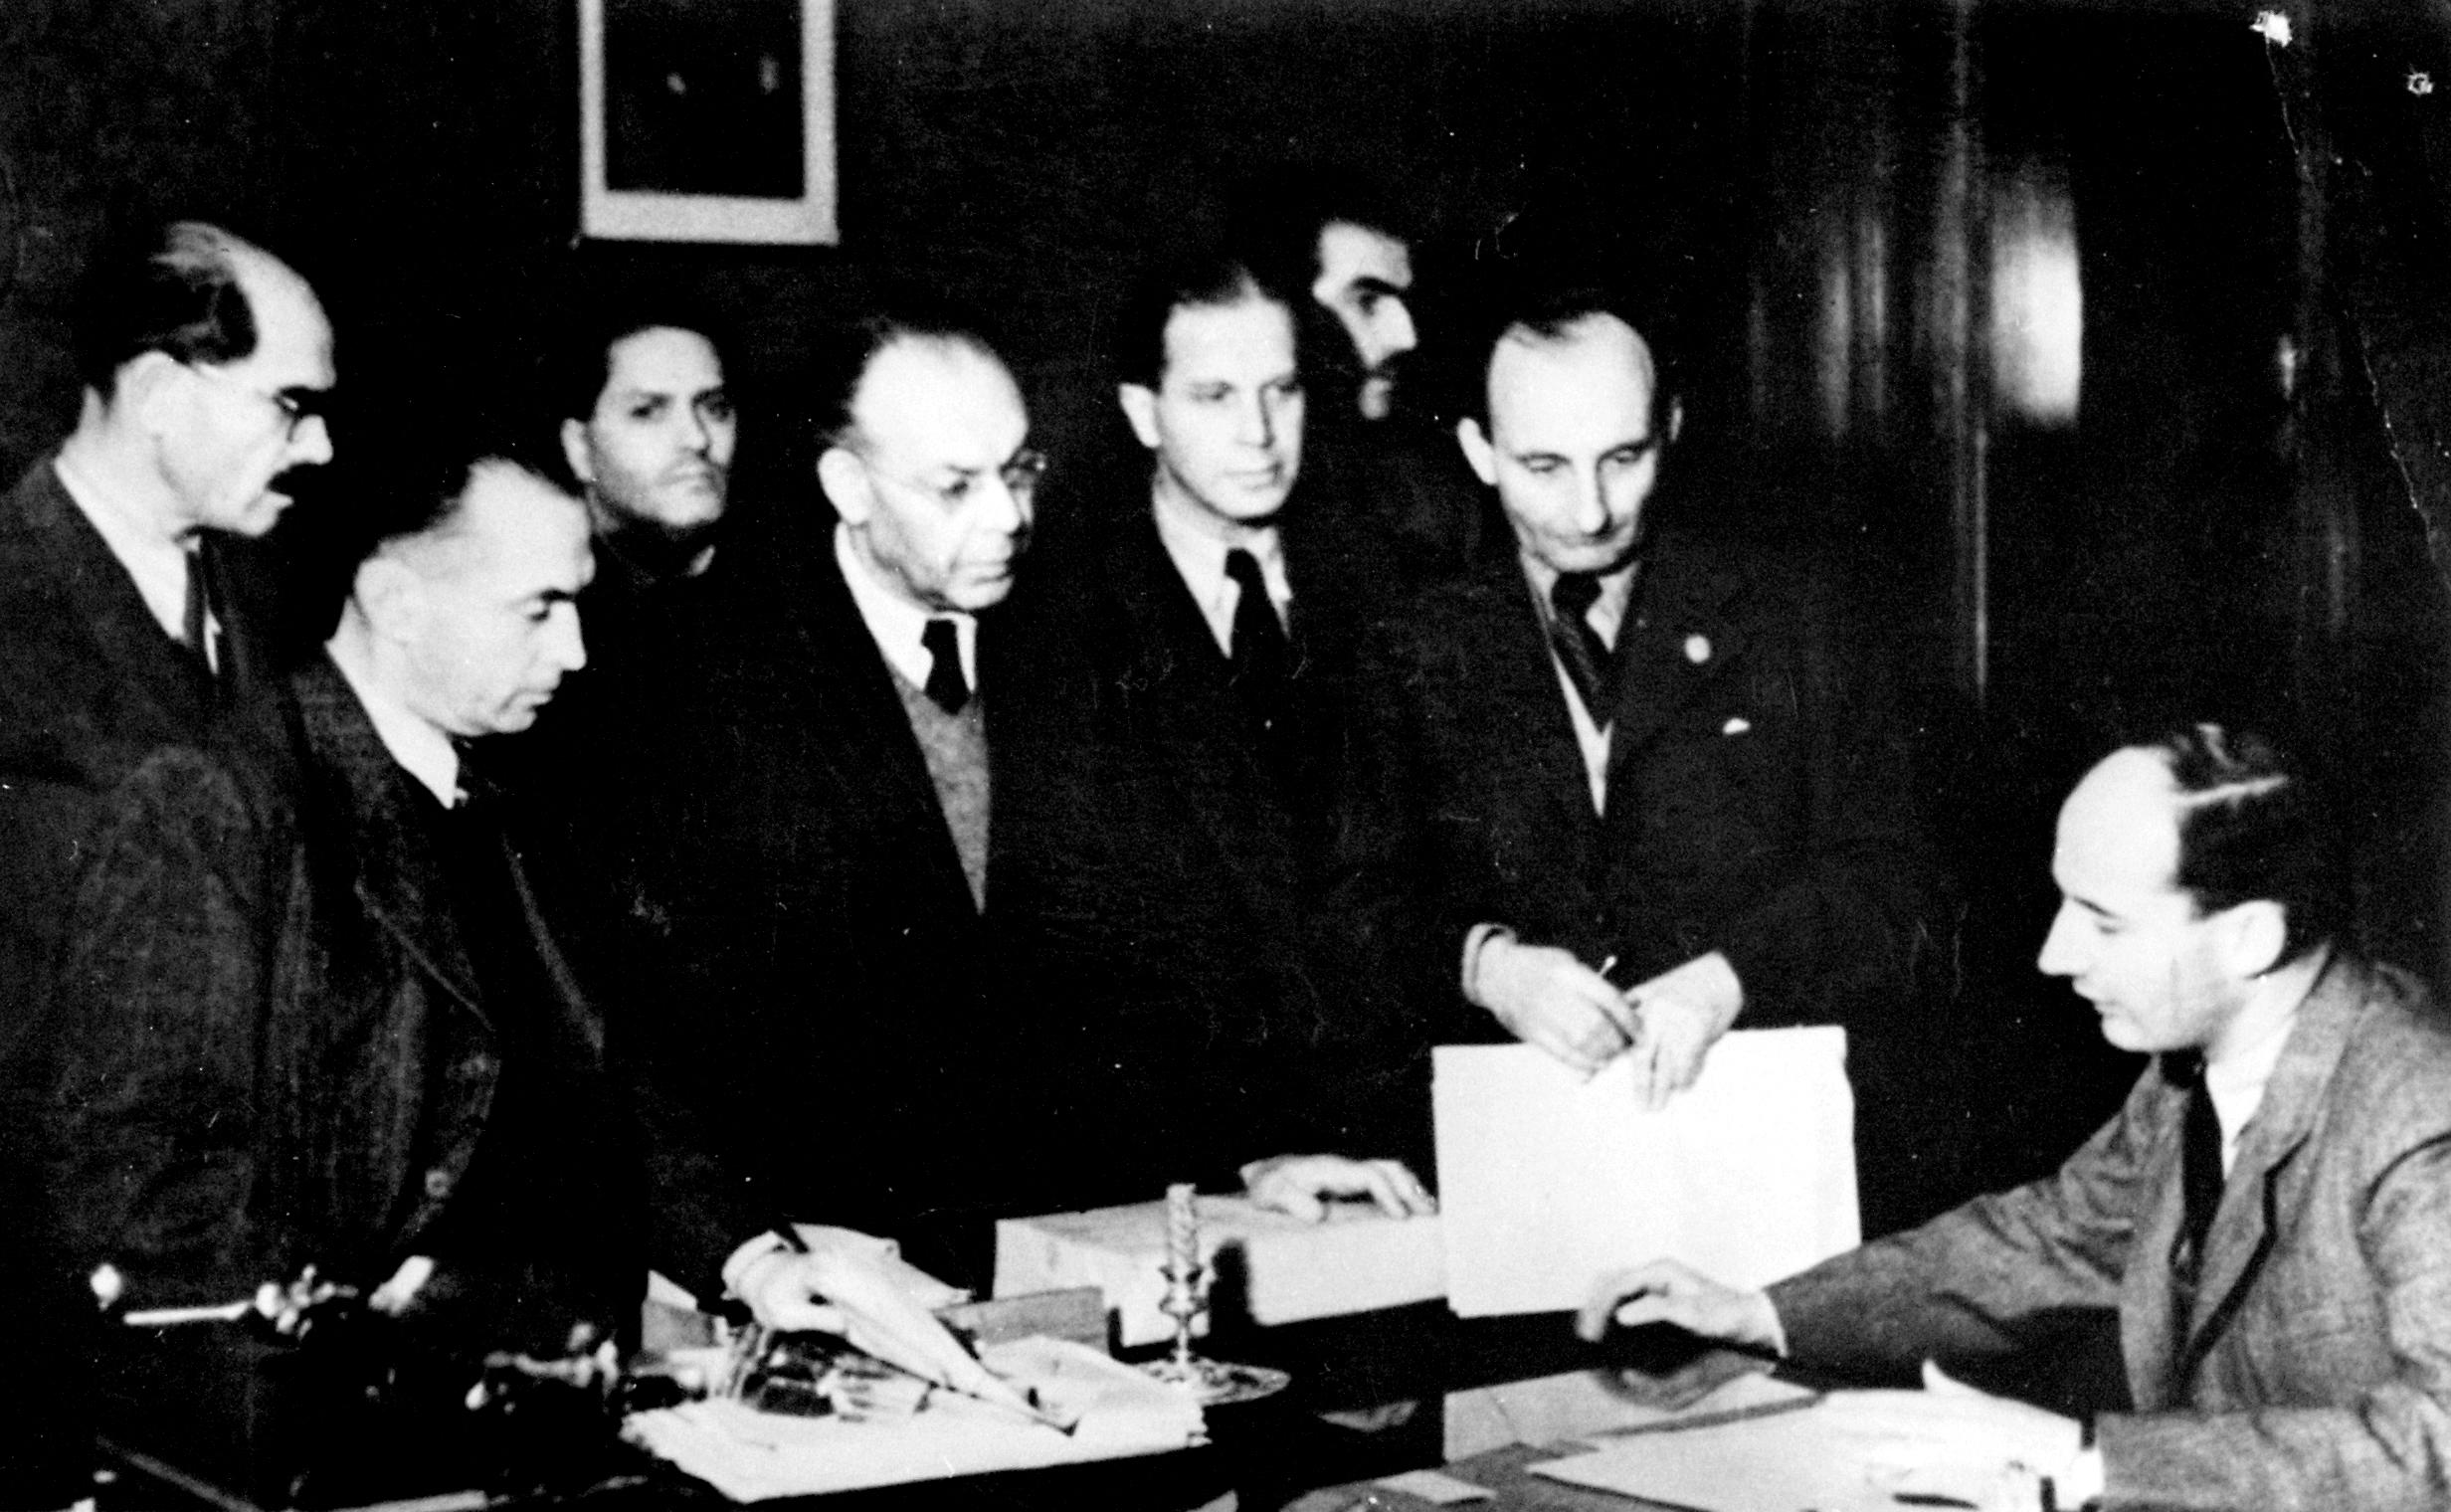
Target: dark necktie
point(2200, 1178)
point(1261, 653)
point(1579, 649)
point(198, 627)
point(946, 685)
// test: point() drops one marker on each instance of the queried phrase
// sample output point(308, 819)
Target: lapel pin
point(1737, 726)
point(1697, 649)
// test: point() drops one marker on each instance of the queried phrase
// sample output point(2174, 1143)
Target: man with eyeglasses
point(1637, 782)
point(1169, 864)
point(129, 613)
point(822, 832)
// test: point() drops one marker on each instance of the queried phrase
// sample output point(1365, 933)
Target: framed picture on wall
point(706, 123)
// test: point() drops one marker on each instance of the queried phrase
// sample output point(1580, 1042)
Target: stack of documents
point(1357, 1261)
point(750, 1455)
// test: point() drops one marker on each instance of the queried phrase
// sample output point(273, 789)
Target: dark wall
point(418, 159)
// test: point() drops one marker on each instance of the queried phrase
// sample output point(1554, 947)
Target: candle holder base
point(1216, 1383)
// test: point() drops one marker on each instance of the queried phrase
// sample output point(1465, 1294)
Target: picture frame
point(707, 124)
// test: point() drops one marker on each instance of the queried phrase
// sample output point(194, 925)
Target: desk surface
point(1501, 1472)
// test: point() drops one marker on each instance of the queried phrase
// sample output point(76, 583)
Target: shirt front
point(2237, 1079)
point(422, 749)
point(1199, 550)
point(1606, 616)
point(898, 626)
point(157, 566)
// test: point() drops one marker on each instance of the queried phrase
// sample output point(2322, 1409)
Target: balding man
point(819, 845)
point(124, 608)
point(311, 1016)
point(129, 613)
point(2268, 1218)
point(1636, 784)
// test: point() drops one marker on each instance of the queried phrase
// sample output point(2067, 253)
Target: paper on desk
point(1784, 1462)
point(1587, 1403)
point(750, 1455)
point(1546, 1181)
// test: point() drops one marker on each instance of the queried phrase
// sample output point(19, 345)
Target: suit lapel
point(104, 598)
point(2163, 1358)
point(2240, 1239)
point(1675, 641)
point(1508, 662)
point(386, 845)
point(1192, 718)
point(856, 702)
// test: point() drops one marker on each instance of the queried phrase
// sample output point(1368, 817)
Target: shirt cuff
point(2079, 1482)
point(1476, 940)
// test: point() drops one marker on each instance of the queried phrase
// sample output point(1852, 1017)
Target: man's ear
point(1677, 420)
point(846, 482)
point(1477, 450)
point(144, 386)
point(1140, 407)
point(575, 451)
point(2253, 935)
point(392, 596)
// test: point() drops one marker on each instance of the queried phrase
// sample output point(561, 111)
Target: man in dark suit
point(2268, 1218)
point(1631, 783)
point(1175, 840)
point(123, 593)
point(646, 422)
point(818, 853)
point(311, 1016)
point(128, 609)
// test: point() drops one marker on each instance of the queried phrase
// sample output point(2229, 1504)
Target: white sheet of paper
point(1784, 1462)
point(751, 1456)
point(1546, 1181)
point(1583, 1405)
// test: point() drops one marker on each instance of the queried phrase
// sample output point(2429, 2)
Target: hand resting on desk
point(1666, 1291)
point(1300, 1184)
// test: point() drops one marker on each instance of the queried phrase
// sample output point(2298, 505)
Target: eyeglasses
point(1020, 476)
point(296, 406)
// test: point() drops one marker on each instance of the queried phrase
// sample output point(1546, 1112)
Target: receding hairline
point(439, 547)
point(945, 349)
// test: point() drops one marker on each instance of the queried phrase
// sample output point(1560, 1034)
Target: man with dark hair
point(2269, 1215)
point(1637, 782)
point(645, 420)
point(1170, 865)
point(128, 611)
point(822, 834)
point(124, 607)
point(310, 1017)
point(1330, 235)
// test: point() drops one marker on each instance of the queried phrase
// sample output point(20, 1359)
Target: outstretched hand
point(1300, 1184)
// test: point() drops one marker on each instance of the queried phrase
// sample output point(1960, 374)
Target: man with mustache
point(130, 609)
point(311, 1014)
point(125, 597)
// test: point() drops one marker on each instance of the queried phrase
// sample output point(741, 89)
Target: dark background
point(2238, 519)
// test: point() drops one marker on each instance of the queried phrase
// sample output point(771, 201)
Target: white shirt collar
point(1199, 545)
point(421, 748)
point(157, 564)
point(2237, 1079)
point(897, 624)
